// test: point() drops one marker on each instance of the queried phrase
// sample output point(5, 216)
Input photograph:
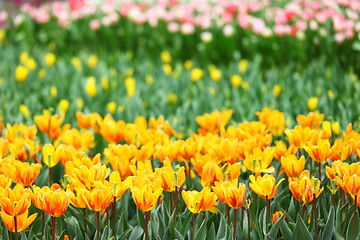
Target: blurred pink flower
point(94, 25)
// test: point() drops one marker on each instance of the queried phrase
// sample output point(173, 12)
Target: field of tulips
point(176, 119)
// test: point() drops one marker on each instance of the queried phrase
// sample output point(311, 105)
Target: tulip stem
point(228, 213)
point(171, 203)
point(242, 218)
point(176, 200)
point(146, 224)
point(16, 232)
point(315, 218)
point(248, 216)
point(113, 215)
point(353, 226)
point(193, 232)
point(84, 215)
point(320, 171)
point(333, 200)
point(53, 227)
point(267, 212)
point(50, 179)
point(304, 214)
point(235, 220)
point(43, 223)
point(98, 225)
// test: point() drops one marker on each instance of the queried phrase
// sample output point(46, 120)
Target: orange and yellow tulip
point(99, 198)
point(273, 119)
point(23, 221)
point(312, 120)
point(277, 215)
point(292, 165)
point(264, 186)
point(54, 202)
point(22, 172)
point(49, 124)
point(50, 156)
point(319, 152)
point(199, 201)
point(15, 202)
point(145, 193)
point(259, 161)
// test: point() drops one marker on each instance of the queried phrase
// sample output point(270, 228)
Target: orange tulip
point(19, 131)
point(88, 177)
point(220, 189)
point(49, 124)
point(225, 151)
point(264, 186)
point(145, 193)
point(235, 196)
point(292, 165)
point(99, 198)
point(78, 199)
point(80, 141)
point(5, 182)
point(214, 121)
point(319, 152)
point(276, 216)
point(210, 174)
point(22, 172)
point(259, 161)
point(119, 157)
point(312, 120)
point(341, 150)
point(282, 150)
point(167, 176)
point(24, 149)
point(199, 201)
point(15, 202)
point(350, 183)
point(299, 136)
point(54, 203)
point(303, 188)
point(273, 119)
point(23, 221)
point(92, 120)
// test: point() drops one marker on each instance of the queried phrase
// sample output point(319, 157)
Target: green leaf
point(329, 227)
point(275, 228)
point(140, 218)
point(178, 235)
point(349, 232)
point(211, 233)
point(186, 223)
point(222, 227)
point(136, 233)
point(125, 234)
point(201, 233)
point(304, 230)
point(285, 230)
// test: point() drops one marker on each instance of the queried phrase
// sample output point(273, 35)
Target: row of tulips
point(263, 18)
point(150, 159)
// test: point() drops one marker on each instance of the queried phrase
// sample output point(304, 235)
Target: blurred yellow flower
point(79, 103)
point(76, 62)
point(212, 91)
point(121, 108)
point(172, 98)
point(130, 86)
point(245, 85)
point(167, 69)
point(111, 106)
point(331, 94)
point(215, 74)
point(149, 79)
point(90, 87)
point(1, 81)
point(165, 57)
point(24, 110)
point(196, 74)
point(236, 81)
point(53, 91)
point(21, 73)
point(188, 64)
point(64, 106)
point(276, 90)
point(31, 64)
point(336, 127)
point(92, 61)
point(130, 72)
point(243, 66)
point(2, 34)
point(24, 57)
point(50, 59)
point(42, 73)
point(105, 83)
point(312, 103)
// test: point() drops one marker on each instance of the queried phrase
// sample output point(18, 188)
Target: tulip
point(319, 152)
point(49, 124)
point(264, 187)
point(276, 216)
point(312, 120)
point(22, 172)
point(292, 165)
point(23, 221)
